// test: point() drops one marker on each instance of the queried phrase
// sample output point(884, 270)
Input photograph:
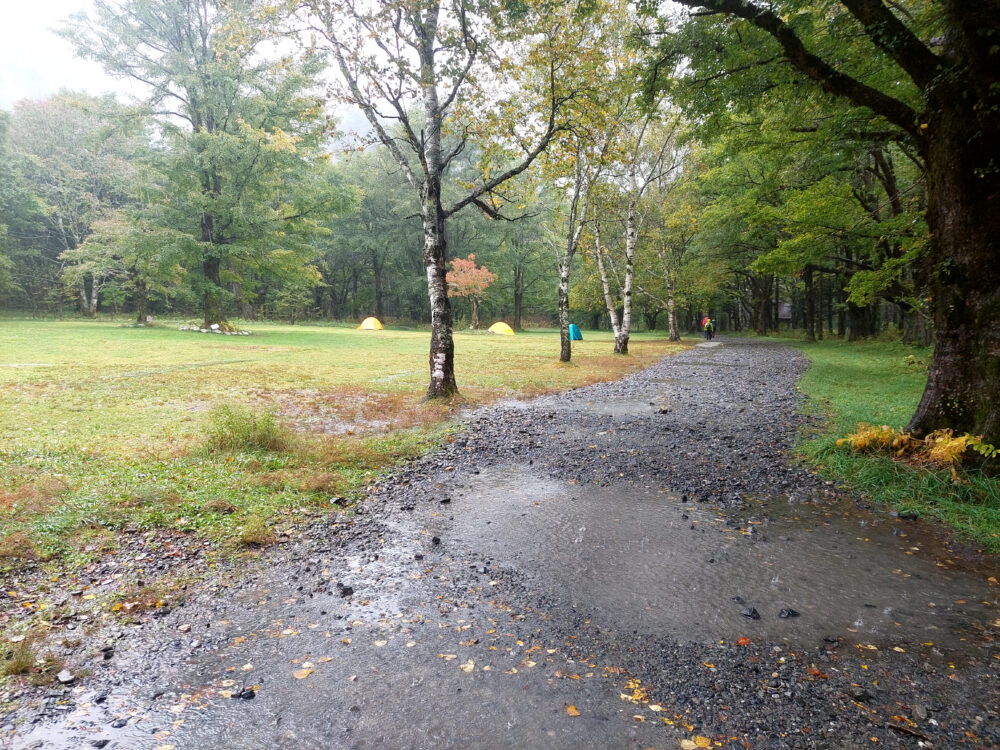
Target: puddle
point(628, 558)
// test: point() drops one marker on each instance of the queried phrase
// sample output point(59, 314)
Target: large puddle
point(642, 560)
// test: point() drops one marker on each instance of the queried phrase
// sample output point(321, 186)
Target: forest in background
point(829, 165)
point(761, 222)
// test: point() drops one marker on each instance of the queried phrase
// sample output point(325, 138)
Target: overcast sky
point(34, 62)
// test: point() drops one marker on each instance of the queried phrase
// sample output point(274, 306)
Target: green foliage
point(255, 532)
point(242, 429)
point(873, 383)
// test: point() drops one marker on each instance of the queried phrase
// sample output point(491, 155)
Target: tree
point(83, 157)
point(242, 127)
point(442, 59)
point(936, 86)
point(466, 279)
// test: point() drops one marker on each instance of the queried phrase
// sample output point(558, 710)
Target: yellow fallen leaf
point(447, 657)
point(228, 683)
point(346, 641)
point(468, 667)
point(380, 644)
point(572, 710)
point(688, 745)
point(94, 596)
point(701, 741)
point(324, 659)
point(654, 707)
point(226, 693)
point(301, 674)
point(246, 667)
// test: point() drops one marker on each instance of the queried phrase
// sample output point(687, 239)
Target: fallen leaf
point(742, 641)
point(301, 674)
point(468, 667)
point(701, 741)
point(688, 745)
point(246, 667)
point(572, 710)
point(380, 644)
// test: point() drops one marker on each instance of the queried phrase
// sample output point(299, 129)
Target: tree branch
point(813, 67)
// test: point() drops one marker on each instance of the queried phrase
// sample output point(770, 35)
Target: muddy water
point(638, 559)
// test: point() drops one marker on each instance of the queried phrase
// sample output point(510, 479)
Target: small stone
point(750, 612)
point(344, 591)
point(859, 694)
point(247, 694)
point(65, 677)
point(787, 612)
point(119, 723)
point(100, 743)
point(185, 628)
point(436, 540)
point(919, 712)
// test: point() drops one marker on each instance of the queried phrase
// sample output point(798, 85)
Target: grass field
point(881, 383)
point(105, 427)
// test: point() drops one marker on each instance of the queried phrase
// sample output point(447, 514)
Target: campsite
point(499, 375)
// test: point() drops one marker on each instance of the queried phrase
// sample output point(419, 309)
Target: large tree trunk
point(810, 304)
point(565, 345)
point(213, 291)
point(442, 353)
point(621, 339)
point(212, 304)
point(675, 333)
point(963, 385)
point(518, 297)
point(141, 302)
point(377, 271)
point(609, 301)
point(474, 303)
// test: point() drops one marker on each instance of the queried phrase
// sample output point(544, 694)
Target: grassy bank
point(881, 383)
point(104, 428)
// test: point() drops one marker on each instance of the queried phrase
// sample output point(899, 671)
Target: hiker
point(709, 329)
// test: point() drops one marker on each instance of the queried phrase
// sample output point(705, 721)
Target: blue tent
point(574, 332)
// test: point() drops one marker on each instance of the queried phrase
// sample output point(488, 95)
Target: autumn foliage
point(466, 279)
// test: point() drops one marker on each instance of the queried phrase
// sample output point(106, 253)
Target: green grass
point(106, 428)
point(881, 383)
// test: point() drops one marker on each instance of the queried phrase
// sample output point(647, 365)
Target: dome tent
point(370, 324)
point(501, 329)
point(574, 332)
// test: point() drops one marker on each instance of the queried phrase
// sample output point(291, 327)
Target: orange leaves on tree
point(466, 279)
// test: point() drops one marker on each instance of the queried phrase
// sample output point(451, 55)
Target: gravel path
point(632, 564)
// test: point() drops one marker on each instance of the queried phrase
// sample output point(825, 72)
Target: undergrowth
point(881, 383)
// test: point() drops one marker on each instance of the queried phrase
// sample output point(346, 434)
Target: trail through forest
point(632, 564)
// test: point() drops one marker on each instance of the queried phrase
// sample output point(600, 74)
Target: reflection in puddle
point(641, 560)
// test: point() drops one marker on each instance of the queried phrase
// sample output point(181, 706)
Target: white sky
point(35, 63)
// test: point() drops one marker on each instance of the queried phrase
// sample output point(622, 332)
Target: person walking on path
point(709, 325)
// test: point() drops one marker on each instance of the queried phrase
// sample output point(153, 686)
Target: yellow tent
point(370, 324)
point(502, 329)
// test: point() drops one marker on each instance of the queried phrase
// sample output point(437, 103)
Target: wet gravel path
point(579, 571)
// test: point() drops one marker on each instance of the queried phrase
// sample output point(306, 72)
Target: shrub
point(237, 428)
point(255, 532)
point(21, 659)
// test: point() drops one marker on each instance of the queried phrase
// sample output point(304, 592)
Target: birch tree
point(427, 69)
